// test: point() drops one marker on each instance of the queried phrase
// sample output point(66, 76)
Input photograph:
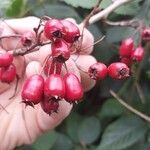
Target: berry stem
point(130, 108)
point(58, 68)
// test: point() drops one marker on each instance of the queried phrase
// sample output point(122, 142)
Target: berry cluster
point(55, 87)
point(7, 68)
point(62, 35)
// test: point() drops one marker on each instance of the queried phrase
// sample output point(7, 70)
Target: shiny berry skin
point(118, 70)
point(138, 54)
point(126, 47)
point(60, 50)
point(53, 29)
point(74, 90)
point(54, 86)
point(97, 71)
point(49, 106)
point(32, 91)
point(146, 34)
point(5, 59)
point(127, 60)
point(27, 39)
point(8, 74)
point(72, 32)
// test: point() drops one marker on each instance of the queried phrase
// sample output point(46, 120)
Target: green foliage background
point(99, 122)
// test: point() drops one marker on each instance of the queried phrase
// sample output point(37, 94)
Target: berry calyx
point(53, 29)
point(118, 70)
point(8, 74)
point(72, 32)
point(138, 54)
point(54, 86)
point(126, 47)
point(50, 105)
point(97, 71)
point(60, 50)
point(27, 39)
point(32, 91)
point(146, 34)
point(74, 90)
point(5, 59)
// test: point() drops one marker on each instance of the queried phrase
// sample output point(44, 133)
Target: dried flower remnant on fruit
point(118, 70)
point(60, 51)
point(53, 29)
point(97, 71)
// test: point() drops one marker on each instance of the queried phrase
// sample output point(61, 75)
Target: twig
point(133, 110)
point(132, 23)
point(103, 14)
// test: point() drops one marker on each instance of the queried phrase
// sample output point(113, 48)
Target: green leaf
point(56, 10)
point(117, 34)
point(62, 143)
point(81, 3)
point(123, 133)
point(46, 141)
point(73, 125)
point(111, 108)
point(89, 130)
point(16, 8)
point(130, 8)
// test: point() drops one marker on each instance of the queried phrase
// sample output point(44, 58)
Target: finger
point(84, 62)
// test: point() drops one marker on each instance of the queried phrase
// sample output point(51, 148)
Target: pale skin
point(20, 125)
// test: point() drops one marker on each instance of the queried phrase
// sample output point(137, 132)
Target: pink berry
point(8, 74)
point(146, 34)
point(54, 86)
point(74, 90)
point(138, 54)
point(32, 91)
point(49, 106)
point(127, 60)
point(5, 59)
point(118, 70)
point(98, 71)
point(27, 39)
point(72, 32)
point(53, 29)
point(60, 51)
point(126, 47)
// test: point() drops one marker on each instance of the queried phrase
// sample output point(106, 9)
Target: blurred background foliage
point(99, 122)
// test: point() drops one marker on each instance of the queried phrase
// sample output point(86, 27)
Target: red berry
point(8, 74)
point(118, 70)
point(27, 39)
point(60, 50)
point(72, 32)
point(53, 29)
point(54, 86)
point(5, 59)
point(146, 34)
point(74, 91)
point(33, 88)
point(126, 60)
point(138, 54)
point(126, 47)
point(98, 71)
point(49, 105)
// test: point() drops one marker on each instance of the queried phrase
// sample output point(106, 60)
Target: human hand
point(20, 124)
